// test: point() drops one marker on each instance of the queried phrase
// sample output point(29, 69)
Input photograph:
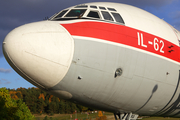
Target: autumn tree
point(40, 105)
point(12, 109)
point(39, 101)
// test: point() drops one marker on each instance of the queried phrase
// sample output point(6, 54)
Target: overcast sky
point(14, 13)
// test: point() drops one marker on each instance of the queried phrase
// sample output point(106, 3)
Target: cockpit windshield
point(61, 14)
point(92, 12)
point(76, 13)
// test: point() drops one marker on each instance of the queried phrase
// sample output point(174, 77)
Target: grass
point(92, 116)
point(79, 116)
point(160, 118)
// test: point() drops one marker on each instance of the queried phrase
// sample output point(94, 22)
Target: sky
point(14, 13)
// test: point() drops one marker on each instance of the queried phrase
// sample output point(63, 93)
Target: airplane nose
point(40, 52)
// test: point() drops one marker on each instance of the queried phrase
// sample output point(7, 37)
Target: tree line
point(11, 109)
point(40, 102)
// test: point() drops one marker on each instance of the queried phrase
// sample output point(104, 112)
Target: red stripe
point(124, 35)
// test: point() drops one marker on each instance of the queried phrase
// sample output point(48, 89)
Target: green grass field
point(79, 116)
point(160, 118)
point(93, 116)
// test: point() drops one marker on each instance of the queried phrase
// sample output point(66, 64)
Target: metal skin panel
point(41, 51)
point(77, 60)
point(142, 20)
point(139, 93)
point(142, 88)
point(124, 35)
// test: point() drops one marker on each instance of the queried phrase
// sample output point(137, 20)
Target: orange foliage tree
point(41, 96)
point(50, 98)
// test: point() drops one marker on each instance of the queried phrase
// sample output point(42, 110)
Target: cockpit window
point(76, 13)
point(93, 14)
point(112, 9)
point(102, 8)
point(61, 14)
point(106, 15)
point(81, 6)
point(118, 18)
point(92, 6)
point(89, 12)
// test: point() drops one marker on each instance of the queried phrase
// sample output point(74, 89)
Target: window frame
point(81, 6)
point(89, 10)
point(109, 14)
point(60, 13)
point(102, 8)
point(75, 16)
point(115, 18)
point(111, 9)
point(93, 7)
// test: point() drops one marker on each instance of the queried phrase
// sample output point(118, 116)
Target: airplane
point(110, 56)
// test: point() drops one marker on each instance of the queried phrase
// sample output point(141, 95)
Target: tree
point(40, 106)
point(38, 101)
point(23, 112)
point(13, 109)
point(62, 107)
point(41, 96)
point(19, 94)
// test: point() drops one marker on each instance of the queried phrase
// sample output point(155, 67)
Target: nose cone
point(40, 52)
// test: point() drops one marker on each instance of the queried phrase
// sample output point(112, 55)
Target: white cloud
point(2, 70)
point(4, 81)
point(17, 79)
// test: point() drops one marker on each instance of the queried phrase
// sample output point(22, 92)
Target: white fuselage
point(76, 59)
